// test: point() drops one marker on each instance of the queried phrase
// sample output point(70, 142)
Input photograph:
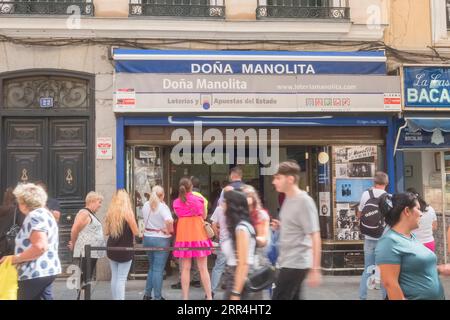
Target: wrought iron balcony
point(303, 9)
point(178, 8)
point(46, 7)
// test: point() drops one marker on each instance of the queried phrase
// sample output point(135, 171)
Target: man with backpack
point(372, 226)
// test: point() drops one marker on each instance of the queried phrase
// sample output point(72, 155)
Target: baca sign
point(427, 88)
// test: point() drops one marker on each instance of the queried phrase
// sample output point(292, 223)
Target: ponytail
point(155, 198)
point(185, 188)
point(422, 202)
point(392, 206)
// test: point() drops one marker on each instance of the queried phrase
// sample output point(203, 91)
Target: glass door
point(144, 170)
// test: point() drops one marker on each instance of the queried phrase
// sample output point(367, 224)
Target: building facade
point(72, 115)
point(420, 31)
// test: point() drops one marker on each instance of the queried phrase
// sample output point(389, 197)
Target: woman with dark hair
point(11, 220)
point(190, 233)
point(239, 248)
point(427, 223)
point(408, 269)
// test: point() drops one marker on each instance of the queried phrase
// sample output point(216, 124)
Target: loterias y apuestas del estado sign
point(253, 81)
point(426, 88)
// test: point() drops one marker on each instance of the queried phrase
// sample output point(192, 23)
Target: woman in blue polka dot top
point(36, 251)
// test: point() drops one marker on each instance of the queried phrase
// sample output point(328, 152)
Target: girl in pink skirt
point(191, 233)
point(427, 223)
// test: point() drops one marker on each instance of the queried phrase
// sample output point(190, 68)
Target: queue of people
point(398, 231)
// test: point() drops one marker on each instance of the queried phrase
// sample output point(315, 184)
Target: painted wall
point(409, 24)
point(374, 13)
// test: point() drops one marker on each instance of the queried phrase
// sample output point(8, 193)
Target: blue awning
point(424, 133)
point(428, 124)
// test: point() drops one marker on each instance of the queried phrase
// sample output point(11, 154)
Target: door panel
point(25, 144)
point(24, 166)
point(69, 174)
point(66, 133)
point(56, 151)
point(25, 133)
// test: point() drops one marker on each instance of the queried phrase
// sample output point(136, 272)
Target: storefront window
point(144, 171)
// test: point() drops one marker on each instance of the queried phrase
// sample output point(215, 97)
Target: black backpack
point(371, 222)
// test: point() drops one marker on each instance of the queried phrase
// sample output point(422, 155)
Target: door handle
point(69, 178)
point(24, 177)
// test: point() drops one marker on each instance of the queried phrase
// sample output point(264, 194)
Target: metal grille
point(178, 8)
point(46, 7)
point(303, 9)
point(29, 92)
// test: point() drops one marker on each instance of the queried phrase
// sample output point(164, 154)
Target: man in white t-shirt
point(381, 180)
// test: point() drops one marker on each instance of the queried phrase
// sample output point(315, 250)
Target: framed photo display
point(353, 170)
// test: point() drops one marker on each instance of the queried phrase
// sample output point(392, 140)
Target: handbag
point(12, 233)
point(261, 279)
point(208, 229)
point(8, 280)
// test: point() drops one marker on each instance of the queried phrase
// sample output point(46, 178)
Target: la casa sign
point(427, 87)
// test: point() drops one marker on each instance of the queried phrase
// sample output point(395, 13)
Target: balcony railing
point(46, 7)
point(303, 9)
point(178, 8)
point(448, 14)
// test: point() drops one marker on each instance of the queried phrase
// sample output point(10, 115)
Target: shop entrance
point(149, 165)
point(428, 172)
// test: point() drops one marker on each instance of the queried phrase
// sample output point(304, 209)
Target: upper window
point(178, 8)
point(47, 7)
point(303, 9)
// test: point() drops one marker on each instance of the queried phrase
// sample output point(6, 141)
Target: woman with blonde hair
point(121, 227)
point(87, 230)
point(36, 244)
point(158, 224)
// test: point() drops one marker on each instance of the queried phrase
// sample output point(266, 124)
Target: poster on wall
point(347, 227)
point(324, 204)
point(350, 190)
point(104, 148)
point(361, 170)
point(341, 170)
point(353, 171)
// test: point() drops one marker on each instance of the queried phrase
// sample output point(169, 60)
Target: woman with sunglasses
point(408, 269)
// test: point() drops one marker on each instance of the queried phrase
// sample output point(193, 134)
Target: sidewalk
point(332, 288)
